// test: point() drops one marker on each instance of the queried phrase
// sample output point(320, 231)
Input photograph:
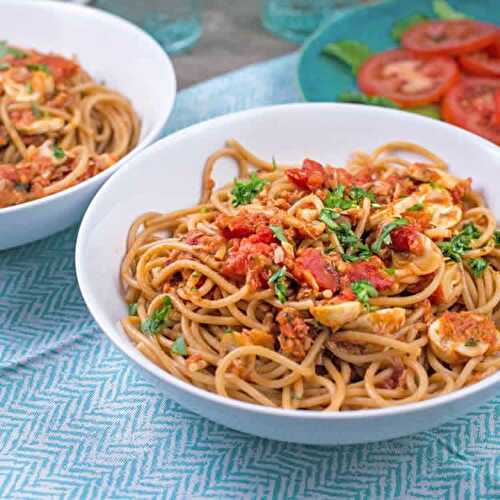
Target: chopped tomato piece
point(294, 336)
point(371, 270)
point(406, 239)
point(311, 176)
point(312, 261)
point(250, 258)
point(462, 188)
point(241, 225)
point(60, 67)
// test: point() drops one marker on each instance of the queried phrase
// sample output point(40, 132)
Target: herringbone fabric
point(76, 421)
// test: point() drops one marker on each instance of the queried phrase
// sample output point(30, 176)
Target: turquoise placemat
point(76, 421)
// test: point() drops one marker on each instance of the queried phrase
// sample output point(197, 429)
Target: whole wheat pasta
point(319, 287)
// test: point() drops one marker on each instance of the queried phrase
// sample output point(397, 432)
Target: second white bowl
point(113, 51)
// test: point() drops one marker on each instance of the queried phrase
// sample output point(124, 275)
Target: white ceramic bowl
point(166, 176)
point(111, 50)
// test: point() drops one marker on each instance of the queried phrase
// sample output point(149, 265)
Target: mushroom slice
point(336, 315)
point(383, 321)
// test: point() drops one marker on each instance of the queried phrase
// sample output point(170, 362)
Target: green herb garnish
point(132, 309)
point(329, 216)
point(478, 266)
point(245, 191)
point(335, 198)
point(416, 207)
point(390, 270)
point(278, 233)
point(4, 66)
point(364, 290)
point(357, 194)
point(59, 154)
point(496, 237)
point(6, 50)
point(385, 235)
point(351, 52)
point(471, 342)
point(361, 251)
point(445, 11)
point(460, 243)
point(39, 67)
point(29, 88)
point(179, 346)
point(429, 110)
point(404, 24)
point(275, 166)
point(280, 288)
point(158, 319)
point(37, 112)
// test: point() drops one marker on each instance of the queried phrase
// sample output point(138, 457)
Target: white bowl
point(166, 176)
point(111, 50)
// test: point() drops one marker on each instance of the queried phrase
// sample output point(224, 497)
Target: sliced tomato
point(481, 63)
point(454, 37)
point(406, 78)
point(474, 104)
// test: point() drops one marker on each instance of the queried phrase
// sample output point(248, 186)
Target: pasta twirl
point(319, 287)
point(58, 126)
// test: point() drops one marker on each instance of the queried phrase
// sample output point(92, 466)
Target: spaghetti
point(58, 126)
point(318, 287)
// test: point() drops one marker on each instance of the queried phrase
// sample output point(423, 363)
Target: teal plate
point(322, 78)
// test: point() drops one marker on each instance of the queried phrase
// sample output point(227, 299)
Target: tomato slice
point(473, 104)
point(454, 37)
point(483, 63)
point(406, 78)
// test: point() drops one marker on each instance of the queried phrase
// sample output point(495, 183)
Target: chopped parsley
point(357, 194)
point(496, 237)
point(471, 342)
point(204, 210)
point(416, 207)
point(390, 270)
point(385, 235)
point(37, 112)
point(337, 197)
point(245, 191)
point(159, 317)
point(329, 216)
point(4, 66)
point(460, 243)
point(6, 50)
point(39, 67)
point(346, 236)
point(278, 233)
point(29, 88)
point(363, 290)
point(179, 346)
point(278, 280)
point(59, 154)
point(228, 330)
point(132, 309)
point(360, 251)
point(478, 266)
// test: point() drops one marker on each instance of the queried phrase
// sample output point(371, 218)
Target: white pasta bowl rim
point(159, 122)
point(92, 216)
